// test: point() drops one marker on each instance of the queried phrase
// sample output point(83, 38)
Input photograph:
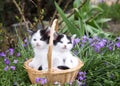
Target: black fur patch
point(69, 38)
point(63, 67)
point(40, 68)
point(58, 39)
point(45, 35)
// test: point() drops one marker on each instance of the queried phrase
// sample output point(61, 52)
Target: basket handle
point(50, 46)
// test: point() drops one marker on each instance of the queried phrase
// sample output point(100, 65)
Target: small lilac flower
point(11, 51)
point(37, 80)
point(118, 38)
point(90, 40)
point(15, 61)
point(6, 61)
point(41, 80)
point(110, 48)
point(118, 44)
point(18, 54)
point(25, 40)
point(81, 76)
point(84, 39)
point(13, 67)
point(97, 47)
point(24, 45)
point(102, 43)
point(76, 41)
point(70, 83)
point(2, 54)
point(6, 68)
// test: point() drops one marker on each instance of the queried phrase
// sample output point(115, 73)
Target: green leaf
point(76, 3)
point(103, 20)
point(71, 27)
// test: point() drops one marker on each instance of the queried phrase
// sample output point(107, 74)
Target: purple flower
point(110, 48)
point(6, 61)
point(85, 39)
point(24, 45)
point(118, 44)
point(97, 47)
point(118, 38)
point(37, 80)
point(12, 67)
point(2, 54)
point(76, 41)
point(25, 40)
point(103, 42)
point(11, 51)
point(6, 68)
point(18, 54)
point(41, 80)
point(15, 61)
point(81, 76)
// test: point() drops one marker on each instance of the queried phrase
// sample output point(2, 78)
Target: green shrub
point(112, 11)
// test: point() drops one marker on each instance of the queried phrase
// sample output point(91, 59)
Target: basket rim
point(35, 71)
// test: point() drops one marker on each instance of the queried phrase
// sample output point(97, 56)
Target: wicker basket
point(63, 76)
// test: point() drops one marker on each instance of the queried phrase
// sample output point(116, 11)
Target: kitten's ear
point(48, 32)
point(73, 37)
point(55, 35)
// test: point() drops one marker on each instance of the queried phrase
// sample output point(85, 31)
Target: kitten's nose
point(65, 46)
point(37, 44)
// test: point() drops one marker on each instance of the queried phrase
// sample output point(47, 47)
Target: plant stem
point(21, 13)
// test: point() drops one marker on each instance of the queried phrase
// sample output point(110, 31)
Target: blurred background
point(44, 11)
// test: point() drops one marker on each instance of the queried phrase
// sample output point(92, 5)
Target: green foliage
point(85, 19)
point(112, 11)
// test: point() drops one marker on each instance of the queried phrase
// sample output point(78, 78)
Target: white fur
point(40, 49)
point(60, 53)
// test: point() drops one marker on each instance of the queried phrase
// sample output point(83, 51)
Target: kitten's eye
point(69, 42)
point(61, 42)
point(34, 39)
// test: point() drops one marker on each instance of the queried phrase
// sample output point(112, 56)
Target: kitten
point(62, 57)
point(39, 42)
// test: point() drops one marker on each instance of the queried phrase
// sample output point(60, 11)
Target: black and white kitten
point(63, 58)
point(39, 42)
